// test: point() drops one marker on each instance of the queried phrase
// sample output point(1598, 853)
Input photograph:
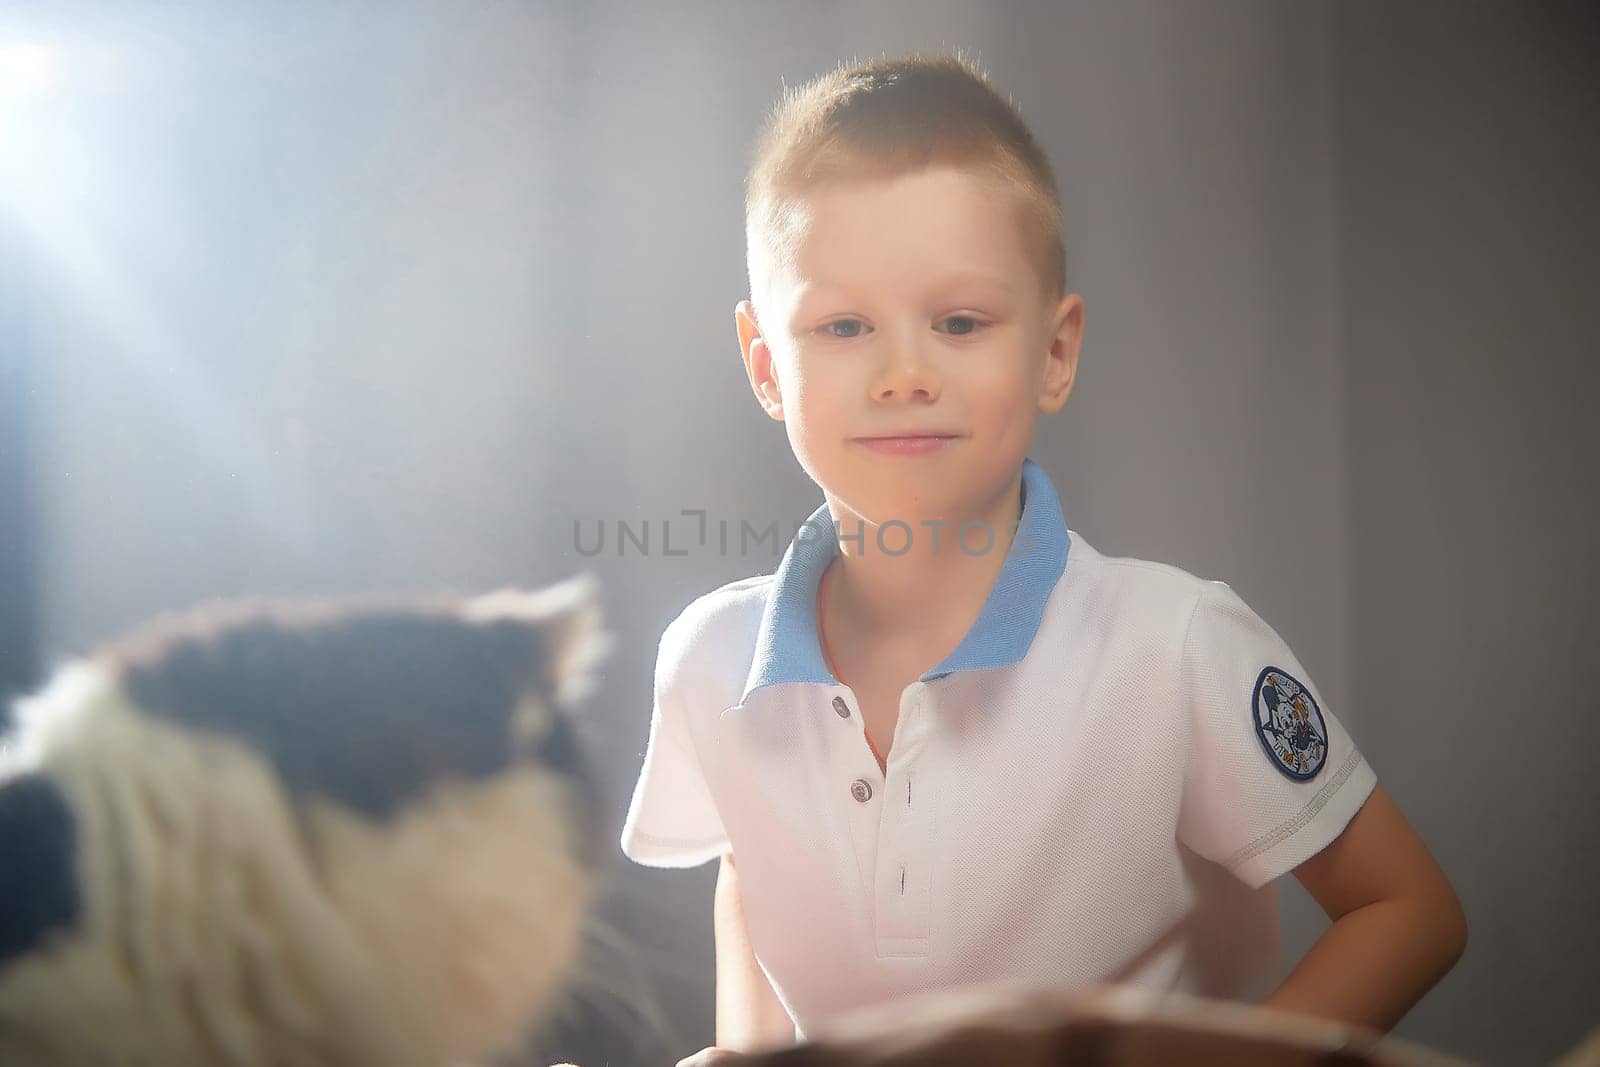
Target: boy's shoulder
point(1130, 576)
point(1142, 598)
point(714, 636)
point(725, 610)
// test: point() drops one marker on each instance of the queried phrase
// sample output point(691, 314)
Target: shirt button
point(841, 707)
point(861, 789)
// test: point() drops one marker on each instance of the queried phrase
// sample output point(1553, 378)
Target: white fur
point(227, 923)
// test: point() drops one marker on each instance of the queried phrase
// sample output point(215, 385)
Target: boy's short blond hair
point(886, 118)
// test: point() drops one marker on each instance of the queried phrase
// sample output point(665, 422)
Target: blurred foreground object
point(1109, 1026)
point(309, 832)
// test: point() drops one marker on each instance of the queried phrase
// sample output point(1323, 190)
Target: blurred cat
point(309, 832)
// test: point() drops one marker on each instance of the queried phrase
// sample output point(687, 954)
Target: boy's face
point(910, 305)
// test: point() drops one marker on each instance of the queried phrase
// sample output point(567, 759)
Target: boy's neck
point(921, 596)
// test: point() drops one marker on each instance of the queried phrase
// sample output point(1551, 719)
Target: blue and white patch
point(1289, 724)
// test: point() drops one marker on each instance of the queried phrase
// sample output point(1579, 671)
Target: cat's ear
point(567, 621)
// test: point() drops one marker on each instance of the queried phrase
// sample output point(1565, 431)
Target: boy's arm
point(1397, 928)
point(749, 1014)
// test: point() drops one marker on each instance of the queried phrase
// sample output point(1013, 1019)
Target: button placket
point(851, 758)
point(902, 876)
point(841, 708)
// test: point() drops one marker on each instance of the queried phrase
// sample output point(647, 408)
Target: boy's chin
point(907, 513)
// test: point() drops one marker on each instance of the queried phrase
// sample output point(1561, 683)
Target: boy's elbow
point(1453, 929)
point(1459, 940)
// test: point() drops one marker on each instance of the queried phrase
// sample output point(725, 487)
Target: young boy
point(949, 741)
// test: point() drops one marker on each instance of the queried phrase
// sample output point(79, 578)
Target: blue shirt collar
point(787, 648)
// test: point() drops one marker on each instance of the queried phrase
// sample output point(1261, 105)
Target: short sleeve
point(672, 820)
point(1271, 775)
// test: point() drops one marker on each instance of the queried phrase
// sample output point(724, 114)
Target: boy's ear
point(1061, 359)
point(758, 363)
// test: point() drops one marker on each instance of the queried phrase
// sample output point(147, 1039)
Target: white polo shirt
point(1099, 783)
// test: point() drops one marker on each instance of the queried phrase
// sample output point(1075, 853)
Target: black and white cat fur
point(319, 833)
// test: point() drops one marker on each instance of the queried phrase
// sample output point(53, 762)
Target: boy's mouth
point(910, 443)
point(904, 435)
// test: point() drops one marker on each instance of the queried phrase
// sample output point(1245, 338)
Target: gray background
point(340, 298)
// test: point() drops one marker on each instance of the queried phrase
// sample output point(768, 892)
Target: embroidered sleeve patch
point(1289, 724)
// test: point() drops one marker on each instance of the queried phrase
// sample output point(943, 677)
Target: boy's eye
point(828, 327)
point(972, 326)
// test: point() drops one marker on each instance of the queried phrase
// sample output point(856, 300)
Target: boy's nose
point(906, 370)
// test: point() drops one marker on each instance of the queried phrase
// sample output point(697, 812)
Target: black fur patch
point(38, 875)
point(366, 706)
point(562, 750)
